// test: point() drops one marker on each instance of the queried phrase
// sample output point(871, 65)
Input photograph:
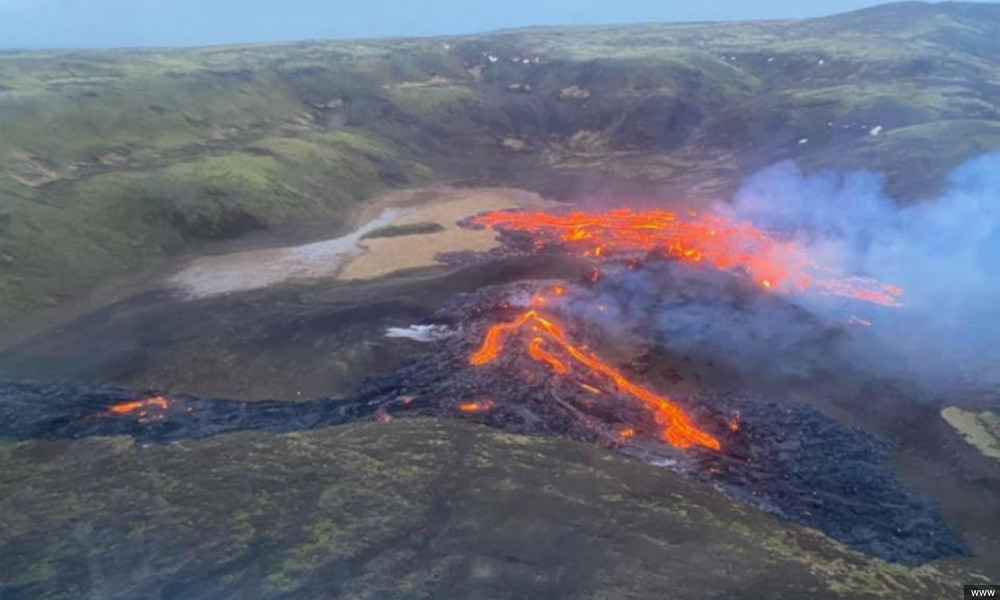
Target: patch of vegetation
point(916, 159)
point(404, 230)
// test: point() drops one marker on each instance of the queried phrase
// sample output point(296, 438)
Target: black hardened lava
point(788, 459)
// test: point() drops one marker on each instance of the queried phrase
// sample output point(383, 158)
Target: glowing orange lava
point(677, 427)
point(476, 407)
point(701, 238)
point(734, 423)
point(127, 408)
point(538, 353)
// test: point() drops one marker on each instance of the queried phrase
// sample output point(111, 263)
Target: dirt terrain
point(386, 255)
point(362, 253)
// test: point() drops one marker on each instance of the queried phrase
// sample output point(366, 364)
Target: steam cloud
point(944, 253)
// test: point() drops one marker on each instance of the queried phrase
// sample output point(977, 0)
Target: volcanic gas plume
point(944, 251)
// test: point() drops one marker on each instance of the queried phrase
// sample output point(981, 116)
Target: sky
point(111, 23)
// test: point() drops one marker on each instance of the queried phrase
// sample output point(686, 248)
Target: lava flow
point(150, 409)
point(476, 407)
point(773, 263)
point(678, 430)
point(138, 406)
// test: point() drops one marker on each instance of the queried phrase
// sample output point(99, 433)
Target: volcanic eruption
point(697, 239)
point(523, 357)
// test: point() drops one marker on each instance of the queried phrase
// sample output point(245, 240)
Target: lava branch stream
point(774, 263)
point(678, 430)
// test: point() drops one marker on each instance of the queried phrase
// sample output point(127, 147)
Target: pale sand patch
point(383, 256)
point(240, 271)
point(348, 257)
point(982, 430)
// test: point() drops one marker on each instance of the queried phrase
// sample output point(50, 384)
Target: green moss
point(114, 223)
point(916, 158)
point(38, 573)
point(916, 102)
point(367, 508)
point(434, 104)
point(145, 115)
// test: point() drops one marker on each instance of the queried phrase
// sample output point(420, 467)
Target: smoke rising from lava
point(943, 252)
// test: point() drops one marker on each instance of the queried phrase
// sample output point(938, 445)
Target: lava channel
point(678, 430)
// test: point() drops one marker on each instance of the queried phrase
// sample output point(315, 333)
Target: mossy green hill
point(109, 159)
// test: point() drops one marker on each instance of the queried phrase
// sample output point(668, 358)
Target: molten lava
point(476, 407)
point(538, 353)
point(678, 430)
point(139, 406)
point(773, 264)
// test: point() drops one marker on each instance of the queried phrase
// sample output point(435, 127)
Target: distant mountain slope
point(109, 159)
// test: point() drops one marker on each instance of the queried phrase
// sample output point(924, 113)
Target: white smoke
point(944, 252)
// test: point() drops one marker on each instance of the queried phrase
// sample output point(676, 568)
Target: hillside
point(111, 159)
point(411, 509)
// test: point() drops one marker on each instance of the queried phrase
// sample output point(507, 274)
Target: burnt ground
point(785, 459)
point(292, 342)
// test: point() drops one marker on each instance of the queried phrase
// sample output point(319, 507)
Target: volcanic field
point(700, 310)
point(528, 357)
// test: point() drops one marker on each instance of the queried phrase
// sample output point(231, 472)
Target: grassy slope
point(108, 159)
point(113, 158)
point(409, 509)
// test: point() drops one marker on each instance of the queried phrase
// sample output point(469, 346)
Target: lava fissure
point(774, 264)
point(137, 406)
